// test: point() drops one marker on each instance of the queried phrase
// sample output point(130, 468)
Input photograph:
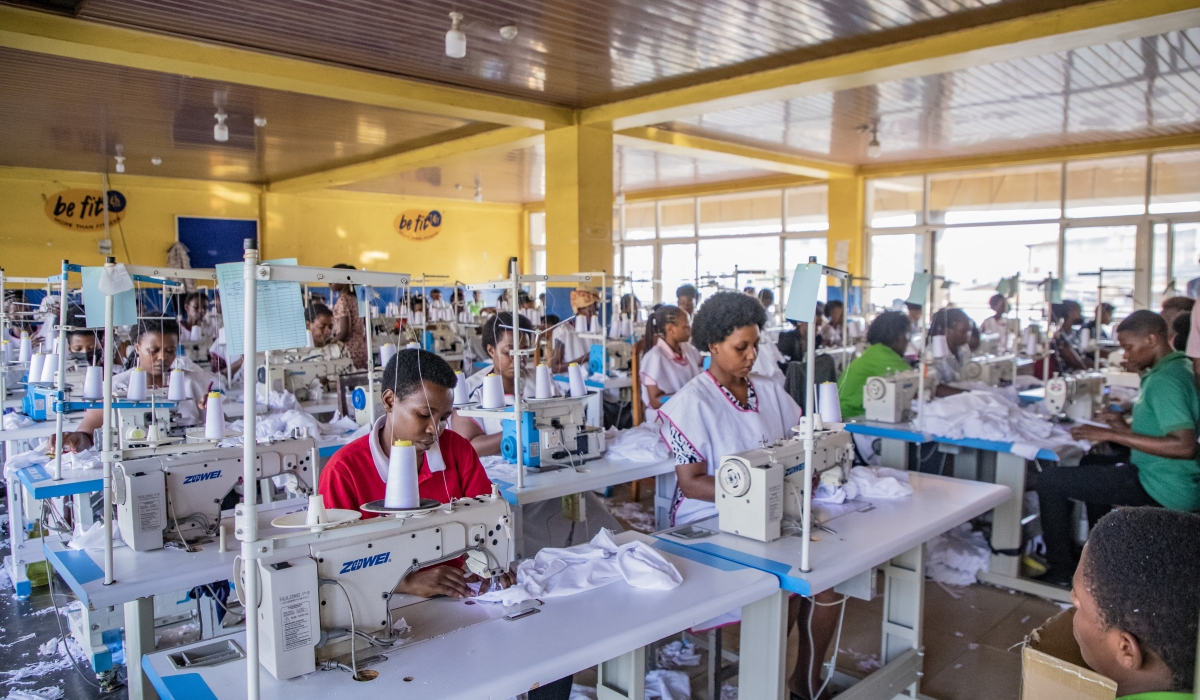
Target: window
point(756, 261)
point(677, 218)
point(975, 259)
point(1175, 186)
point(808, 208)
point(739, 214)
point(1085, 251)
point(537, 241)
point(1110, 187)
point(1009, 194)
point(639, 221)
point(678, 269)
point(639, 268)
point(896, 201)
point(797, 251)
point(894, 260)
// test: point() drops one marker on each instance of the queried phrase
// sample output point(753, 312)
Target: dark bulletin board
point(213, 241)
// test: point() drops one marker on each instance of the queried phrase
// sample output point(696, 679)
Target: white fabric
point(668, 685)
point(640, 444)
point(93, 539)
point(715, 426)
point(677, 654)
point(661, 367)
point(555, 573)
point(1000, 327)
point(956, 557)
point(989, 416)
point(767, 362)
point(275, 400)
point(574, 347)
point(866, 483)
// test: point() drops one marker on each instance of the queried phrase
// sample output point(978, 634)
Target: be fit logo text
point(83, 209)
point(202, 477)
point(363, 563)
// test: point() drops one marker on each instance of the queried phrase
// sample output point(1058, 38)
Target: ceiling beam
point(66, 37)
point(692, 146)
point(1062, 29)
point(411, 155)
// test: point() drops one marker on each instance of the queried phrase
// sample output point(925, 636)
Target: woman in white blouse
point(671, 360)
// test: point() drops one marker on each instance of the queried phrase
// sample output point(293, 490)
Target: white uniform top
point(713, 426)
point(662, 368)
point(991, 325)
point(767, 362)
point(574, 347)
point(491, 426)
point(197, 382)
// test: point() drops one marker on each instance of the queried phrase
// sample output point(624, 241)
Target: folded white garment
point(677, 654)
point(12, 421)
point(555, 573)
point(275, 400)
point(93, 539)
point(877, 482)
point(640, 444)
point(989, 416)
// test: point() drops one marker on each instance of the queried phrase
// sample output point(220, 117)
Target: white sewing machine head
point(755, 489)
point(889, 399)
point(319, 588)
point(445, 340)
point(620, 355)
point(554, 432)
point(181, 494)
point(296, 372)
point(1077, 396)
point(989, 369)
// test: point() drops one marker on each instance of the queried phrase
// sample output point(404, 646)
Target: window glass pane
point(808, 209)
point(539, 262)
point(735, 214)
point(1110, 187)
point(718, 258)
point(982, 196)
point(1030, 250)
point(639, 267)
point(1089, 249)
point(895, 201)
point(1161, 275)
point(639, 221)
point(678, 268)
point(1186, 266)
point(796, 251)
point(894, 259)
point(677, 218)
point(616, 267)
point(537, 228)
point(1176, 182)
point(616, 230)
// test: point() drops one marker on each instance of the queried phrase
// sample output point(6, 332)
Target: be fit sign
point(83, 210)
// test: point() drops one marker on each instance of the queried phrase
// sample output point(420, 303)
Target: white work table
point(889, 536)
point(41, 429)
point(589, 476)
point(499, 659)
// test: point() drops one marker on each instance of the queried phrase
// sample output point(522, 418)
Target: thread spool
point(413, 346)
point(50, 367)
point(542, 381)
point(1031, 345)
point(26, 347)
point(1085, 337)
point(176, 390)
point(386, 352)
point(57, 346)
point(35, 367)
point(940, 347)
point(581, 324)
point(493, 391)
point(316, 515)
point(402, 477)
point(222, 548)
point(830, 407)
point(7, 353)
point(575, 376)
point(461, 395)
point(214, 418)
point(308, 340)
point(136, 391)
point(594, 325)
point(93, 383)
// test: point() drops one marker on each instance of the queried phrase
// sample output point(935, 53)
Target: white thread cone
point(136, 391)
point(175, 390)
point(214, 418)
point(413, 346)
point(93, 383)
point(26, 347)
point(402, 477)
point(50, 367)
point(493, 391)
point(308, 340)
point(386, 352)
point(7, 350)
point(35, 367)
point(542, 382)
point(316, 515)
point(575, 375)
point(940, 348)
point(461, 395)
point(1085, 337)
point(153, 434)
point(57, 346)
point(581, 324)
point(1031, 345)
point(830, 406)
point(595, 325)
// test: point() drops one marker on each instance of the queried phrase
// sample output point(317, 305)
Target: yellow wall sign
point(83, 210)
point(418, 225)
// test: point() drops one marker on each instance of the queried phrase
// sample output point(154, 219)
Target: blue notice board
point(211, 242)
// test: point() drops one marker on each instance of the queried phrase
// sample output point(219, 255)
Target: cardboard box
point(1052, 667)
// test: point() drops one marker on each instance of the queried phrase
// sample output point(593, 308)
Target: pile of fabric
point(866, 483)
point(984, 415)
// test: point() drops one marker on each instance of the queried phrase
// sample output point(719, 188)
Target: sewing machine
point(181, 494)
point(554, 432)
point(38, 402)
point(1116, 374)
point(295, 372)
point(1077, 396)
point(196, 350)
point(445, 340)
point(757, 488)
point(323, 592)
point(989, 369)
point(889, 399)
point(620, 357)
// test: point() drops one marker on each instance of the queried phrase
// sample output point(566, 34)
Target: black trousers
point(1100, 486)
point(558, 690)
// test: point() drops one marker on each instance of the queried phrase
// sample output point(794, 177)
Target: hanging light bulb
point(260, 122)
point(478, 190)
point(220, 130)
point(120, 158)
point(456, 41)
point(873, 149)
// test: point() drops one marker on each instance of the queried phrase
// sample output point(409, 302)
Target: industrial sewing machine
point(989, 369)
point(757, 488)
point(1076, 396)
point(38, 402)
point(620, 357)
point(1116, 374)
point(180, 495)
point(323, 592)
point(445, 340)
point(889, 399)
point(295, 372)
point(554, 432)
point(196, 350)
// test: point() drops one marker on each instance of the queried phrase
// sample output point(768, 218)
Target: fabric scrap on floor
point(668, 685)
point(957, 556)
point(677, 654)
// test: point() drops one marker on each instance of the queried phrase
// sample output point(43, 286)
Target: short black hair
point(1182, 325)
point(887, 328)
point(552, 320)
point(686, 290)
point(161, 326)
point(722, 314)
point(766, 297)
point(1143, 569)
point(1143, 323)
point(995, 298)
point(498, 325)
point(944, 318)
point(913, 307)
point(407, 368)
point(1178, 303)
point(194, 296)
point(316, 310)
point(831, 305)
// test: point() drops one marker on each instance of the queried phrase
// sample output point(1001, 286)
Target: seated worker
point(1137, 600)
point(1068, 315)
point(213, 321)
point(767, 298)
point(671, 360)
point(568, 346)
point(318, 319)
point(686, 298)
point(1171, 307)
point(955, 326)
point(727, 410)
point(916, 318)
point(1106, 314)
point(191, 321)
point(1162, 468)
point(155, 343)
point(831, 331)
point(1181, 330)
point(886, 337)
point(998, 322)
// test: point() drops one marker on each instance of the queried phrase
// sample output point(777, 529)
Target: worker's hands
point(73, 442)
point(1091, 433)
point(439, 580)
point(1116, 421)
point(507, 579)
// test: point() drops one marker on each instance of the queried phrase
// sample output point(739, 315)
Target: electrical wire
point(812, 652)
point(50, 572)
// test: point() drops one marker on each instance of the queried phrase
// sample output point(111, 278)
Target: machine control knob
point(734, 476)
point(876, 388)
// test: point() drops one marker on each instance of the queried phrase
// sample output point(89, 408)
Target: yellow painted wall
point(846, 223)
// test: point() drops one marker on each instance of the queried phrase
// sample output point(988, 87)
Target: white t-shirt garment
point(574, 347)
point(662, 368)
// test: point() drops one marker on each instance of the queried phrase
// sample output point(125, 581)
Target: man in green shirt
point(888, 336)
point(1163, 469)
point(1137, 600)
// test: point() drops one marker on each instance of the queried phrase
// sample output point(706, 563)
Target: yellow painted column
point(847, 236)
point(579, 199)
